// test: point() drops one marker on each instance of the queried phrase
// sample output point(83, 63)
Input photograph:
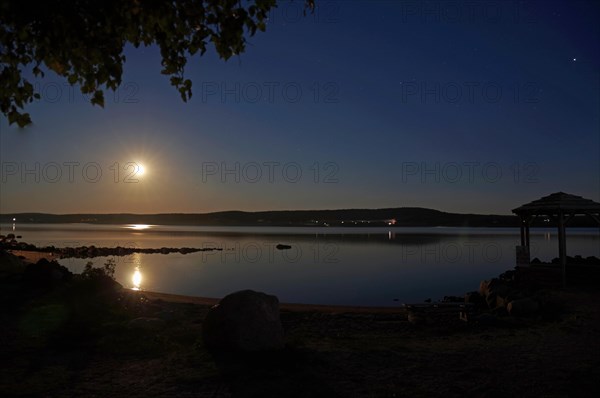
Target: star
point(574, 59)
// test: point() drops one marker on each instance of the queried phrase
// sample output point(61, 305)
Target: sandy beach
point(29, 256)
point(293, 307)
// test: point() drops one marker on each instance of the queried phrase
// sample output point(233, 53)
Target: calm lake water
point(347, 266)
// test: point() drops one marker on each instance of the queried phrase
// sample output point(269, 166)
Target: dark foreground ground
point(78, 340)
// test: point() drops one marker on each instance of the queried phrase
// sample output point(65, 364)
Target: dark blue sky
point(458, 106)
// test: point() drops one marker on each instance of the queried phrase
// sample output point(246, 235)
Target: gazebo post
point(523, 255)
point(522, 232)
point(562, 246)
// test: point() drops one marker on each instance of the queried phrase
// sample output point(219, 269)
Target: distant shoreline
point(389, 217)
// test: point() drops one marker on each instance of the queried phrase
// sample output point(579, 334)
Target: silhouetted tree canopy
point(83, 41)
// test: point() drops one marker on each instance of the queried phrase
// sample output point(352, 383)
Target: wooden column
point(522, 232)
point(562, 246)
point(527, 234)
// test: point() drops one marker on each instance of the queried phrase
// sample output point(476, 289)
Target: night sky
point(458, 106)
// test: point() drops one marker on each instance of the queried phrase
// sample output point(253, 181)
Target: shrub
point(108, 271)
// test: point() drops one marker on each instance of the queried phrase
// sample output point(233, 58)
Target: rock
point(505, 295)
point(491, 301)
point(484, 287)
point(593, 260)
point(495, 292)
point(502, 301)
point(474, 298)
point(244, 321)
point(508, 275)
point(416, 317)
point(523, 307)
point(145, 323)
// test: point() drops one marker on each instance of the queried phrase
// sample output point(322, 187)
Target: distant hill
point(399, 217)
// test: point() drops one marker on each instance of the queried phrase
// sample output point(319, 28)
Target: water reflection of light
point(138, 227)
point(136, 278)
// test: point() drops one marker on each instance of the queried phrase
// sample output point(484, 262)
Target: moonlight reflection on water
point(136, 278)
point(138, 227)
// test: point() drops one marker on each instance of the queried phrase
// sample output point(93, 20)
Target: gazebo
point(561, 207)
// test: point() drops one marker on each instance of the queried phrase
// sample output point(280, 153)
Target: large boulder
point(497, 293)
point(475, 298)
point(523, 307)
point(484, 286)
point(244, 321)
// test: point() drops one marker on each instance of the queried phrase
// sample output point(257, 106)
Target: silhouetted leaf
point(83, 41)
point(98, 99)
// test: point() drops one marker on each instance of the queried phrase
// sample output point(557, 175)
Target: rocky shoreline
point(9, 242)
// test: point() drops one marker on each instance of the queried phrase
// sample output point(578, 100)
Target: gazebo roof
point(559, 202)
